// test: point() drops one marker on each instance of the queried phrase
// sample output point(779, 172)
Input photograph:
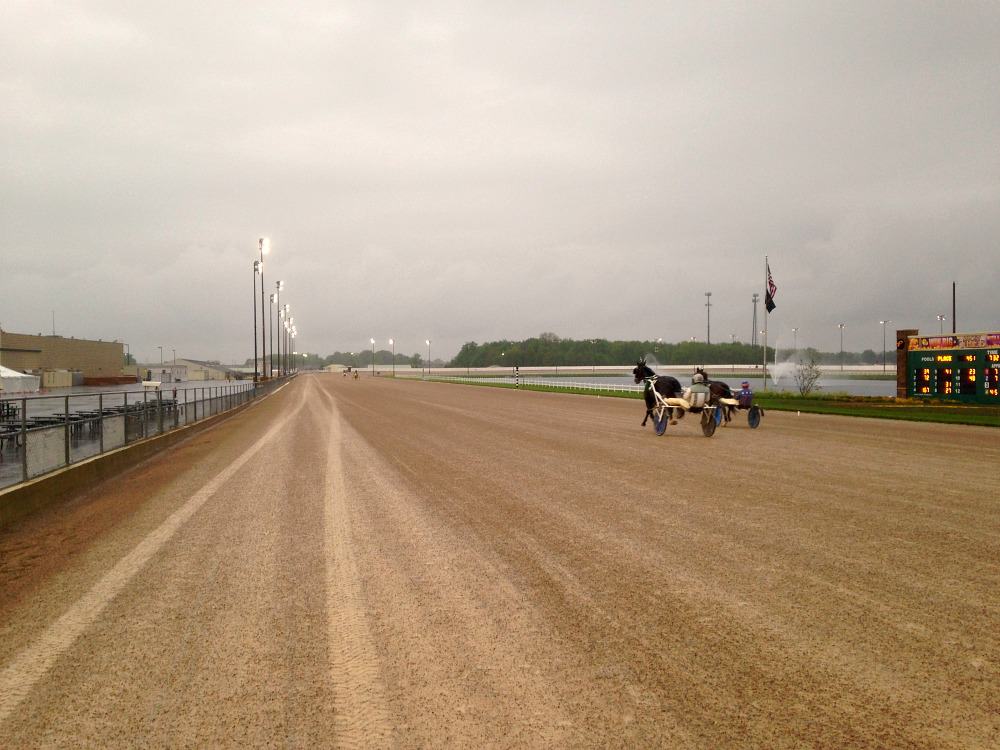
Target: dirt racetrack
point(391, 563)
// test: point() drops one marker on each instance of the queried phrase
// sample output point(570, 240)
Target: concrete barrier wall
point(49, 479)
point(114, 433)
point(46, 450)
point(56, 486)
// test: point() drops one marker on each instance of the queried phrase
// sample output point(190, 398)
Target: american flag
point(771, 290)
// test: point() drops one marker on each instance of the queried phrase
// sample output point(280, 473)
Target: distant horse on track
point(665, 385)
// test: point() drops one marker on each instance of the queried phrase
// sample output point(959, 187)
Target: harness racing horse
point(665, 385)
point(719, 390)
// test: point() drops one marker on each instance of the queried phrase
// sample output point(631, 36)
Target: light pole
point(278, 287)
point(795, 340)
point(593, 357)
point(392, 344)
point(708, 312)
point(264, 246)
point(732, 338)
point(373, 357)
point(161, 354)
point(753, 333)
point(288, 314)
point(941, 320)
point(281, 339)
point(656, 347)
point(175, 355)
point(270, 327)
point(882, 323)
point(256, 270)
point(841, 326)
point(428, 342)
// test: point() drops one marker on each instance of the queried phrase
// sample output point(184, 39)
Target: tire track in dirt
point(359, 695)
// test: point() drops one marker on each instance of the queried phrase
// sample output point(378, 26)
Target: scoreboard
point(961, 367)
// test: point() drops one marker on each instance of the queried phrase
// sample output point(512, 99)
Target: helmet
point(698, 378)
point(745, 384)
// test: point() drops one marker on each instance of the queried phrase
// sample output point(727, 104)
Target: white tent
point(12, 381)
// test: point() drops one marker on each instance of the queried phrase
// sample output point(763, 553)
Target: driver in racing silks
point(695, 394)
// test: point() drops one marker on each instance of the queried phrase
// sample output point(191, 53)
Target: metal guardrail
point(40, 434)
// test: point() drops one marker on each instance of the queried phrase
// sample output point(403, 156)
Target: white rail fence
point(545, 383)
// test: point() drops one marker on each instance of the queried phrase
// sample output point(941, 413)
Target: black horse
point(665, 385)
point(718, 390)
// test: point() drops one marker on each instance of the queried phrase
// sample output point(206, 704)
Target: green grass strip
point(842, 405)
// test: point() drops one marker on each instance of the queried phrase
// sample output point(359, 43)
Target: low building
point(164, 373)
point(61, 378)
point(198, 370)
point(35, 354)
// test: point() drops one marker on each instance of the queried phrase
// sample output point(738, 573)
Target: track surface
point(377, 563)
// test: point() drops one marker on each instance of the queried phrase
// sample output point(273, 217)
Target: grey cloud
point(476, 171)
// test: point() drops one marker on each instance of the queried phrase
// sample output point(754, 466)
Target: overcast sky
point(465, 171)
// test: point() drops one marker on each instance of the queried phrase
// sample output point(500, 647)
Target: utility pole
point(841, 326)
point(708, 311)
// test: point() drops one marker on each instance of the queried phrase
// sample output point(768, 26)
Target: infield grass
point(827, 403)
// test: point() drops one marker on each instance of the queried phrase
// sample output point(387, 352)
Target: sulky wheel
point(708, 423)
point(661, 418)
point(753, 417)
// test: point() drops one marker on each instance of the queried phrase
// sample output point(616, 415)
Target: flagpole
point(766, 316)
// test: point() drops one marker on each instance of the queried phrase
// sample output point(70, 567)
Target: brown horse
point(718, 390)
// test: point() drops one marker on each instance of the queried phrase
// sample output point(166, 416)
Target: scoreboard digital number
point(991, 380)
point(960, 367)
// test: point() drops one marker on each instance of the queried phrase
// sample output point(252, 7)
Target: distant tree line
point(383, 357)
point(312, 361)
point(549, 350)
